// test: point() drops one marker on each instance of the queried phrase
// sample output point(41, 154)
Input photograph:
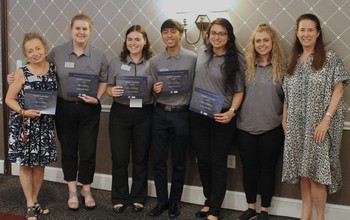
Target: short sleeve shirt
point(209, 76)
point(262, 107)
point(183, 60)
point(129, 68)
point(93, 61)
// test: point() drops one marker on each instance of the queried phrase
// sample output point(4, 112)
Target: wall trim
point(193, 194)
point(346, 125)
point(2, 164)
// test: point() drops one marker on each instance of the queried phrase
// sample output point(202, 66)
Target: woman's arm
point(284, 117)
point(12, 93)
point(227, 116)
point(322, 128)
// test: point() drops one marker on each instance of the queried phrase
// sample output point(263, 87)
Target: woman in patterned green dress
point(313, 118)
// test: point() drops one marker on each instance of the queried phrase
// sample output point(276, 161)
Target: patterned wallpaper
point(111, 19)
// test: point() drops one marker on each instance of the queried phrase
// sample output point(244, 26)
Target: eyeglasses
point(218, 34)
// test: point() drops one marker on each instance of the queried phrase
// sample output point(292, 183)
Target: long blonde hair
point(276, 55)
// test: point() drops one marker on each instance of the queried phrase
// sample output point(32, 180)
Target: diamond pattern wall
point(111, 19)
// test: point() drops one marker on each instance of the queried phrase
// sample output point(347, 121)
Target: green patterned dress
point(308, 93)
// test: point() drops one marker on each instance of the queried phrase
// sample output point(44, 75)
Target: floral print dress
point(40, 147)
point(307, 94)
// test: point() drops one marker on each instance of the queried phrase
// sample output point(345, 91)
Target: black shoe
point(248, 214)
point(201, 214)
point(119, 209)
point(137, 208)
point(174, 210)
point(159, 209)
point(263, 215)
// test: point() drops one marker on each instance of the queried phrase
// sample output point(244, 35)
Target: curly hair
point(319, 50)
point(231, 66)
point(276, 55)
point(147, 51)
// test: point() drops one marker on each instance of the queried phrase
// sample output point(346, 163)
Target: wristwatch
point(329, 115)
point(233, 110)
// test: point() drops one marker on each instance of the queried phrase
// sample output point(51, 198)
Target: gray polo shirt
point(262, 106)
point(183, 60)
point(119, 68)
point(210, 77)
point(93, 61)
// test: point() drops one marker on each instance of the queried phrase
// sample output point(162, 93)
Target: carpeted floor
point(54, 196)
point(9, 216)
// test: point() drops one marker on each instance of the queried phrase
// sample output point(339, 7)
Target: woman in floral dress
point(314, 112)
point(32, 143)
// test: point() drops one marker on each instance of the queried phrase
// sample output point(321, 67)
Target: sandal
point(40, 210)
point(90, 204)
point(73, 204)
point(31, 213)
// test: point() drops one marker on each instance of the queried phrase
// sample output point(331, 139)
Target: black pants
point(212, 142)
point(259, 155)
point(77, 126)
point(169, 130)
point(129, 127)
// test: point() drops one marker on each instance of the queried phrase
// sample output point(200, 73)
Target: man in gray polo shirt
point(173, 71)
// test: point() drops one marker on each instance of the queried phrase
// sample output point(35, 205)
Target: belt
point(172, 108)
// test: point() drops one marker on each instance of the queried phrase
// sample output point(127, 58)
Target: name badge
point(125, 67)
point(69, 64)
point(135, 103)
point(33, 79)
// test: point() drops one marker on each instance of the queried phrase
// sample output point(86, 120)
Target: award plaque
point(175, 82)
point(44, 101)
point(134, 86)
point(205, 102)
point(80, 84)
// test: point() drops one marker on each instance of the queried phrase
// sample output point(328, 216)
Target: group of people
point(268, 106)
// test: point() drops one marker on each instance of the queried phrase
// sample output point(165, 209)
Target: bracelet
point(329, 115)
point(21, 111)
point(98, 101)
point(233, 110)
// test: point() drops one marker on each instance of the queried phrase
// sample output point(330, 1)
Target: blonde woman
point(260, 134)
point(32, 142)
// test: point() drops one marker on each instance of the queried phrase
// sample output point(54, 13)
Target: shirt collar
point(129, 60)
point(177, 56)
point(86, 52)
point(257, 65)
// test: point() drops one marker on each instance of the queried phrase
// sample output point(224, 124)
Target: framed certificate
point(175, 81)
point(82, 84)
point(134, 87)
point(205, 102)
point(44, 101)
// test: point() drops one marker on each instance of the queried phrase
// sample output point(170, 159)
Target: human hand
point(117, 91)
point(88, 99)
point(10, 78)
point(224, 117)
point(321, 130)
point(31, 113)
point(157, 87)
point(284, 126)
